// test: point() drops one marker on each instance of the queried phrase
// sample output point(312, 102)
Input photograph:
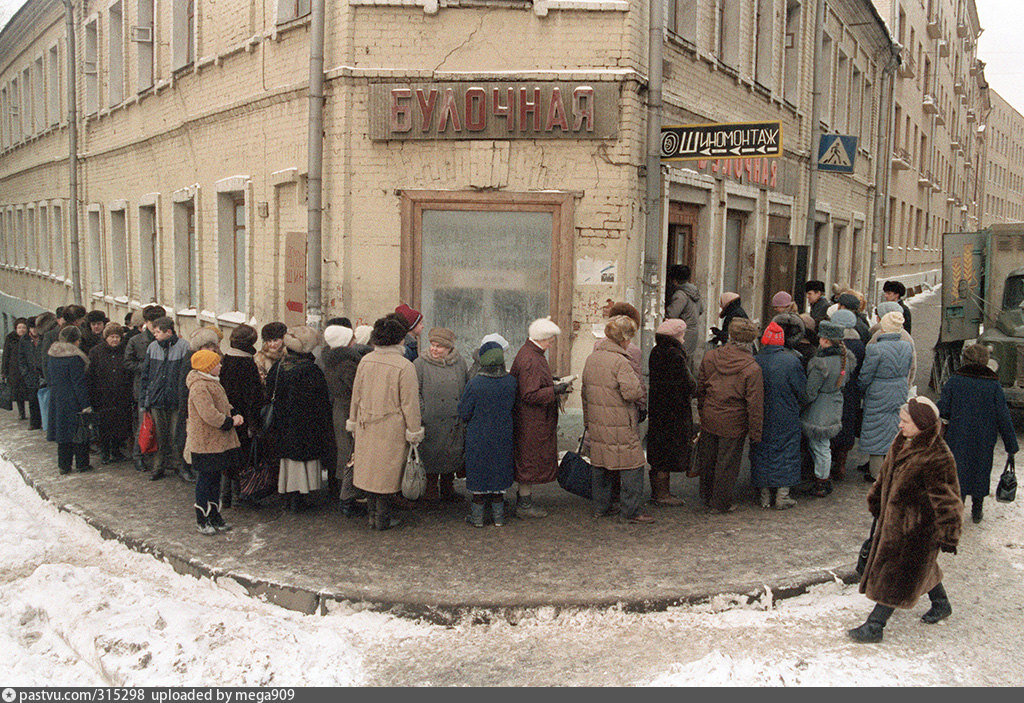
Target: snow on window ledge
point(208, 316)
point(187, 312)
point(121, 299)
point(234, 317)
point(540, 7)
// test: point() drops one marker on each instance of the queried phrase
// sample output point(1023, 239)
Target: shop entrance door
point(682, 234)
point(786, 269)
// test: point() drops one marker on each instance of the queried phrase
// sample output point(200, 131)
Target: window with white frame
point(59, 261)
point(185, 265)
point(5, 128)
point(764, 44)
point(31, 245)
point(39, 95)
point(288, 10)
point(44, 239)
point(22, 245)
point(26, 102)
point(95, 250)
point(118, 251)
point(12, 238)
point(231, 250)
point(115, 54)
point(142, 38)
point(53, 85)
point(826, 72)
point(4, 234)
point(90, 67)
point(841, 121)
point(183, 35)
point(14, 113)
point(148, 253)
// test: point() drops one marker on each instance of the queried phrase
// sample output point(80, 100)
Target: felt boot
point(660, 494)
point(498, 510)
point(476, 514)
point(203, 522)
point(782, 499)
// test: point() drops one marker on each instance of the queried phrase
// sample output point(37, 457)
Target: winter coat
point(610, 391)
point(10, 369)
point(917, 503)
point(340, 366)
point(733, 309)
point(687, 305)
point(853, 394)
point(134, 354)
point(486, 407)
point(89, 340)
point(383, 417)
point(440, 387)
point(32, 358)
point(974, 404)
point(636, 362)
point(669, 415)
point(48, 338)
point(535, 416)
point(819, 310)
point(730, 393)
point(823, 396)
point(775, 460)
point(210, 428)
point(905, 336)
point(244, 388)
point(863, 328)
point(412, 348)
point(110, 392)
point(66, 370)
point(164, 366)
point(302, 410)
point(906, 315)
point(884, 380)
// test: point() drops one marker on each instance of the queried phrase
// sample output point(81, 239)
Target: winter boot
point(498, 510)
point(476, 514)
point(431, 494)
point(941, 609)
point(382, 519)
point(225, 491)
point(976, 509)
point(105, 456)
point(203, 522)
point(216, 519)
point(526, 509)
point(660, 493)
point(782, 499)
point(822, 487)
point(350, 507)
point(186, 474)
point(446, 488)
point(871, 630)
point(765, 497)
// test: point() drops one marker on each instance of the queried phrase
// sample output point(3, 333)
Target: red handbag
point(147, 434)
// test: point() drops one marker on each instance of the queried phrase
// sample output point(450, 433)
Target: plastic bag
point(147, 434)
point(414, 477)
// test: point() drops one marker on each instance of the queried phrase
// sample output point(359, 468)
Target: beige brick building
point(1003, 177)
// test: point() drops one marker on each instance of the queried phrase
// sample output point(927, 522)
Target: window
point(826, 73)
point(115, 55)
point(142, 37)
point(682, 19)
point(59, 264)
point(15, 113)
point(118, 252)
point(44, 240)
point(231, 250)
point(26, 102)
point(31, 246)
point(729, 32)
point(53, 85)
point(4, 235)
point(764, 44)
point(288, 10)
point(5, 127)
point(22, 246)
point(184, 34)
point(148, 250)
point(186, 283)
point(89, 67)
point(95, 250)
point(841, 120)
point(39, 95)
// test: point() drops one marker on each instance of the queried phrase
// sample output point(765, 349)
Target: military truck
point(983, 300)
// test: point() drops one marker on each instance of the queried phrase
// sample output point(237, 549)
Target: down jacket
point(730, 393)
point(610, 392)
point(775, 461)
point(884, 380)
point(823, 396)
point(441, 383)
point(209, 428)
point(917, 503)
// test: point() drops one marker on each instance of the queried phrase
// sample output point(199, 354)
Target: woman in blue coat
point(973, 403)
point(775, 461)
point(69, 395)
point(486, 408)
point(883, 377)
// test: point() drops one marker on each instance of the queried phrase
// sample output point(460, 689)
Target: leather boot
point(660, 494)
point(940, 610)
point(431, 494)
point(217, 520)
point(446, 488)
point(382, 517)
point(976, 510)
point(871, 631)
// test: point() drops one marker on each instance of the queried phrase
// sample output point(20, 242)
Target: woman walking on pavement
point(916, 503)
point(69, 397)
point(110, 390)
point(442, 377)
point(210, 437)
point(486, 408)
point(822, 418)
point(887, 364)
point(974, 406)
point(10, 371)
point(670, 416)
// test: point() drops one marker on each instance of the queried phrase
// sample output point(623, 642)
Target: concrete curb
point(440, 612)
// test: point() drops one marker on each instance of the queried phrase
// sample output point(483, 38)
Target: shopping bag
point(1006, 491)
point(575, 473)
point(258, 480)
point(5, 397)
point(147, 434)
point(414, 477)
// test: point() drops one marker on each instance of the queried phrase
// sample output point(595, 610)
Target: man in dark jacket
point(894, 292)
point(134, 355)
point(159, 393)
point(816, 300)
point(92, 330)
point(30, 364)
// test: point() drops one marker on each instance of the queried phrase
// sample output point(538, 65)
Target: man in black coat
point(816, 300)
point(894, 292)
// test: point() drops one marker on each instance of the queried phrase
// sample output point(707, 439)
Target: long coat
point(110, 391)
point(244, 389)
point(610, 392)
point(884, 380)
point(340, 366)
point(69, 391)
point(535, 417)
point(486, 408)
point(302, 410)
point(822, 418)
point(974, 404)
point(669, 415)
point(11, 370)
point(384, 415)
point(853, 394)
point(917, 503)
point(440, 386)
point(775, 460)
point(30, 362)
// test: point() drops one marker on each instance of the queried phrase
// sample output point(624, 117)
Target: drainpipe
point(314, 179)
point(812, 162)
point(72, 77)
point(652, 243)
point(883, 171)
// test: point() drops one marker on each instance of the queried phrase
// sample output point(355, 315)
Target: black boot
point(225, 491)
point(382, 518)
point(871, 631)
point(157, 475)
point(203, 522)
point(217, 520)
point(941, 608)
point(352, 508)
point(976, 511)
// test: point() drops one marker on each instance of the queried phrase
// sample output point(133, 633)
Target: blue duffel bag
point(574, 473)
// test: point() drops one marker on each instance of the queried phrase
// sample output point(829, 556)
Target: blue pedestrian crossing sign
point(836, 153)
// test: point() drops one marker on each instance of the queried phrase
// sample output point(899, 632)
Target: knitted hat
point(543, 328)
point(362, 335)
point(849, 301)
point(627, 310)
point(845, 319)
point(491, 354)
point(388, 331)
point(886, 307)
point(204, 336)
point(923, 412)
point(495, 337)
point(113, 328)
point(204, 360)
point(782, 299)
point(411, 317)
point(302, 339)
point(742, 331)
point(620, 329)
point(891, 322)
point(337, 336)
point(673, 327)
point(773, 335)
point(442, 336)
point(976, 354)
point(831, 330)
point(809, 324)
point(727, 298)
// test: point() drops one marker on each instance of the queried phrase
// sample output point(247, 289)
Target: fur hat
point(411, 317)
point(891, 322)
point(894, 287)
point(831, 330)
point(844, 318)
point(673, 327)
point(814, 284)
point(792, 326)
point(782, 299)
point(809, 323)
point(742, 330)
point(495, 337)
point(273, 330)
point(388, 331)
point(727, 298)
point(543, 328)
point(977, 354)
point(491, 354)
point(362, 334)
point(627, 310)
point(112, 328)
point(773, 335)
point(886, 307)
point(242, 337)
point(204, 337)
point(337, 336)
point(849, 301)
point(97, 316)
point(204, 360)
point(923, 412)
point(301, 340)
point(620, 329)
point(136, 319)
point(442, 336)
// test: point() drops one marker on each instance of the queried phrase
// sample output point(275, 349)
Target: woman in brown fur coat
point(916, 502)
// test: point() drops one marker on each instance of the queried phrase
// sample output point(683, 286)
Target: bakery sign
point(503, 110)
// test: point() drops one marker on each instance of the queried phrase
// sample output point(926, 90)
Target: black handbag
point(865, 549)
point(267, 411)
point(1006, 491)
point(575, 473)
